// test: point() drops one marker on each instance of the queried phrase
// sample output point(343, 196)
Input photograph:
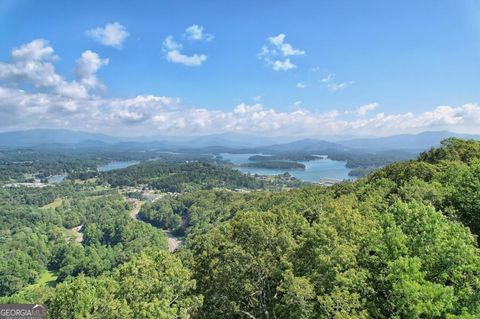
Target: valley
point(197, 218)
point(239, 159)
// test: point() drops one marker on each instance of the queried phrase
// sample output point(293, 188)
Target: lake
point(116, 165)
point(314, 170)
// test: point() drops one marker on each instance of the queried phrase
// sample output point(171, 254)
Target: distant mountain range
point(53, 139)
point(306, 146)
point(413, 142)
point(37, 137)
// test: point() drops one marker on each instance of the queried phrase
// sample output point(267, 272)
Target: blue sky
point(357, 67)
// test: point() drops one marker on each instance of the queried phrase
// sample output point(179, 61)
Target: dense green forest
point(190, 176)
point(24, 165)
point(36, 238)
point(399, 243)
point(275, 165)
point(362, 163)
point(180, 177)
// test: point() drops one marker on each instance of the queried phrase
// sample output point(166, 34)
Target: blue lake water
point(116, 165)
point(314, 170)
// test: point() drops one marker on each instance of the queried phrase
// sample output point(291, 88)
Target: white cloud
point(364, 109)
point(148, 114)
point(277, 40)
point(301, 85)
point(36, 50)
point(113, 34)
point(285, 48)
point(72, 90)
point(170, 44)
point(31, 64)
point(173, 49)
point(276, 51)
point(195, 32)
point(87, 66)
point(284, 65)
point(192, 60)
point(57, 103)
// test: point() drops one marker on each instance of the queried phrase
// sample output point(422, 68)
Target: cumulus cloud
point(285, 48)
point(113, 34)
point(173, 49)
point(284, 65)
point(276, 52)
point(35, 51)
point(176, 56)
point(140, 108)
point(170, 44)
point(87, 66)
point(48, 100)
point(195, 32)
point(149, 114)
point(32, 64)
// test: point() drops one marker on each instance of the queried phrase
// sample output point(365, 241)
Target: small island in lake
point(274, 165)
point(285, 157)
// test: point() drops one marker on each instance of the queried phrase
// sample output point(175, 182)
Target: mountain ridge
point(80, 139)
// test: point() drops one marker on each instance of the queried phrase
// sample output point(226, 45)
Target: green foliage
point(181, 177)
point(412, 295)
point(368, 161)
point(400, 243)
point(24, 164)
point(33, 239)
point(195, 212)
point(110, 236)
point(152, 285)
point(238, 266)
point(462, 192)
point(453, 149)
point(272, 164)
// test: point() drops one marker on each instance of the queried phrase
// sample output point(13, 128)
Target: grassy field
point(56, 203)
point(90, 180)
point(47, 279)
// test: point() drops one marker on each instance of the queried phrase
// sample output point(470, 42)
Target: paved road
point(173, 242)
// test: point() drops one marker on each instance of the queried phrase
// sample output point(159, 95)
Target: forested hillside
point(37, 238)
point(399, 243)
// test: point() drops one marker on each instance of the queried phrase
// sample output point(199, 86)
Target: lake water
point(314, 170)
point(116, 165)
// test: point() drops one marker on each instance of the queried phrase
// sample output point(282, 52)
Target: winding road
point(173, 242)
